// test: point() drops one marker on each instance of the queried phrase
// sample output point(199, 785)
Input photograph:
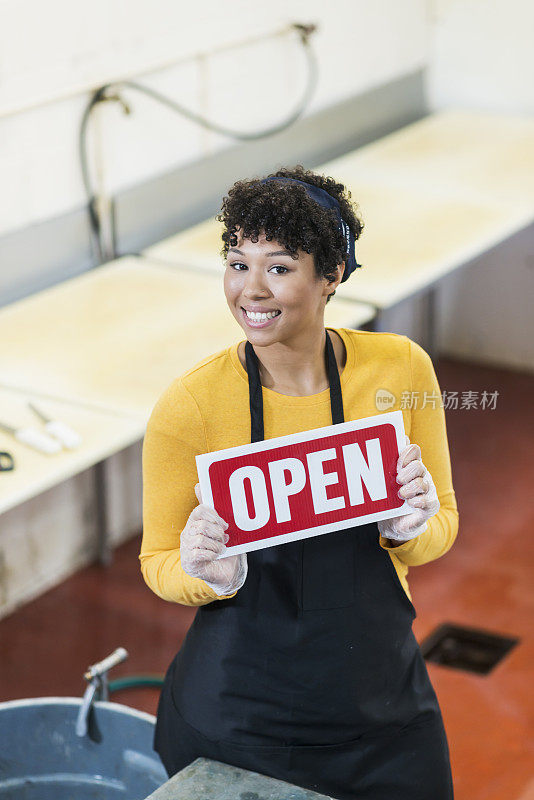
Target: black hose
point(110, 92)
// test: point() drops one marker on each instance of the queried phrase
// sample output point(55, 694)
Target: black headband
point(327, 201)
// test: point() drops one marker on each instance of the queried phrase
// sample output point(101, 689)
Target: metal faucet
point(97, 678)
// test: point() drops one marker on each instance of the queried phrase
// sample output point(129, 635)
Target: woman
point(301, 662)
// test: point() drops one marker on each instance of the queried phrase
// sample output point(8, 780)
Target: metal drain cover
point(469, 649)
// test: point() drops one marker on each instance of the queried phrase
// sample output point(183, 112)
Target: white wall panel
point(51, 55)
point(482, 55)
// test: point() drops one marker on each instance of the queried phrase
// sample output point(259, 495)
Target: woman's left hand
point(417, 488)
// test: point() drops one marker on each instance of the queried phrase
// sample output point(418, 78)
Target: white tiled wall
point(52, 54)
point(482, 55)
point(483, 58)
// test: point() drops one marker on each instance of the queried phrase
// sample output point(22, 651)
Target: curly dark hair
point(286, 213)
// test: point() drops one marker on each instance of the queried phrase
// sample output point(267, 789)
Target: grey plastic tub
point(42, 758)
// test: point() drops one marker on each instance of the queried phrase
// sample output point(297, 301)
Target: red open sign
point(307, 483)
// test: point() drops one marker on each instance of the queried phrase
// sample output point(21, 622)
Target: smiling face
point(284, 296)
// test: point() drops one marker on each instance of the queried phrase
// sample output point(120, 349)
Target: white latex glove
point(418, 490)
point(202, 539)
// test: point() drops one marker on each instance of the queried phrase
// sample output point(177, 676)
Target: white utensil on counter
point(34, 438)
point(68, 437)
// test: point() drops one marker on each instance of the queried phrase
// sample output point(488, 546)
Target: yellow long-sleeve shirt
point(207, 408)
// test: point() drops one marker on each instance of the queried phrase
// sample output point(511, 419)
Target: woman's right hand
point(202, 540)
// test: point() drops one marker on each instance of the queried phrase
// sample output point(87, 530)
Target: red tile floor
point(486, 580)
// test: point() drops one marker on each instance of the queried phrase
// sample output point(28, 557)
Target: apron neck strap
point(336, 398)
point(256, 395)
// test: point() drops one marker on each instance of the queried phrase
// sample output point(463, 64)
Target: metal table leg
point(101, 515)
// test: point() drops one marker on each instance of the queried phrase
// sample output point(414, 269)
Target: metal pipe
point(96, 670)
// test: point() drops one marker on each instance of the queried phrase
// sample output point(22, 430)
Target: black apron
point(311, 673)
